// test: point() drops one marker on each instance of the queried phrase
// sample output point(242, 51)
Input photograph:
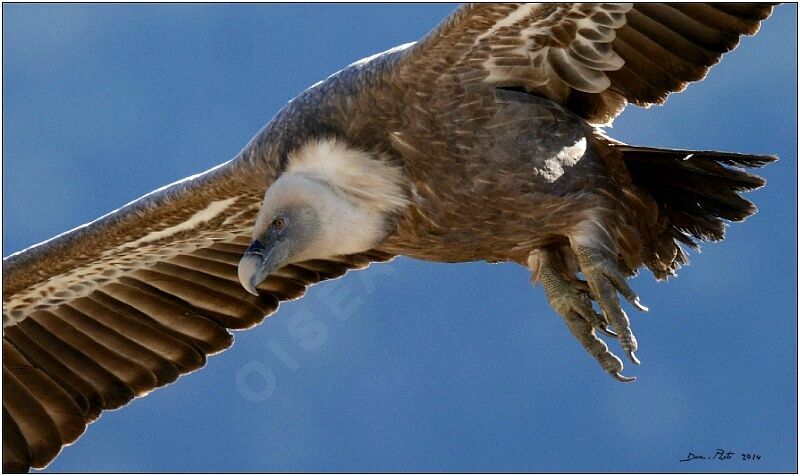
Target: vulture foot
point(568, 295)
point(572, 300)
point(605, 280)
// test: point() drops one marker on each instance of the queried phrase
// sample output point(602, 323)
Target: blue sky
point(409, 366)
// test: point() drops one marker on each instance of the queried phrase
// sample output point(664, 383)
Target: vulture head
point(331, 200)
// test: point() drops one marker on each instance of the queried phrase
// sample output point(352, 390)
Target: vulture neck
point(357, 195)
point(368, 181)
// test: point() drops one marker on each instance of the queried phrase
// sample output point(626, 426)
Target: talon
point(606, 331)
point(623, 378)
point(607, 280)
point(572, 300)
point(616, 278)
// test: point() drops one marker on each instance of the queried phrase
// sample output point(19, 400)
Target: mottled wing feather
point(594, 58)
point(109, 311)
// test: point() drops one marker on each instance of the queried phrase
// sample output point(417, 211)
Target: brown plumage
point(487, 129)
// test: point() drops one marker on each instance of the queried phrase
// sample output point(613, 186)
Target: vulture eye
point(278, 223)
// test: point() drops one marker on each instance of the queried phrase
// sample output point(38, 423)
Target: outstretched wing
point(111, 310)
point(594, 58)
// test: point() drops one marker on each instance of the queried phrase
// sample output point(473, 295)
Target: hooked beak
point(255, 266)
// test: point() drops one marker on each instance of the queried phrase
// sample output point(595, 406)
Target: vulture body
point(480, 142)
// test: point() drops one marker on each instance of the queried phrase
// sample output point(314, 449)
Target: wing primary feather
point(165, 309)
point(715, 18)
point(294, 273)
point(16, 456)
point(82, 392)
point(162, 369)
point(670, 39)
point(213, 297)
point(138, 378)
point(326, 269)
point(656, 83)
point(65, 413)
point(669, 61)
point(750, 11)
point(37, 428)
point(688, 27)
point(182, 350)
point(283, 289)
point(113, 391)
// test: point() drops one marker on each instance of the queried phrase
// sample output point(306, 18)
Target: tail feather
point(728, 158)
point(696, 191)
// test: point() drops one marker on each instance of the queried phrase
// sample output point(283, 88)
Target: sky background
point(411, 366)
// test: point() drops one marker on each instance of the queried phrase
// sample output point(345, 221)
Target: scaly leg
point(571, 298)
point(605, 279)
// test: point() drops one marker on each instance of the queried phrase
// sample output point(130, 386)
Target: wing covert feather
point(592, 57)
point(111, 310)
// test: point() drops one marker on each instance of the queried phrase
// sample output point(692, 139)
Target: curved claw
point(607, 332)
point(638, 305)
point(572, 299)
point(622, 286)
point(623, 378)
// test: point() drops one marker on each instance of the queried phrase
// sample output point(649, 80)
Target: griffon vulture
point(480, 142)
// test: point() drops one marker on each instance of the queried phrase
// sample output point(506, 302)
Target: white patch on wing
point(212, 210)
point(566, 157)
